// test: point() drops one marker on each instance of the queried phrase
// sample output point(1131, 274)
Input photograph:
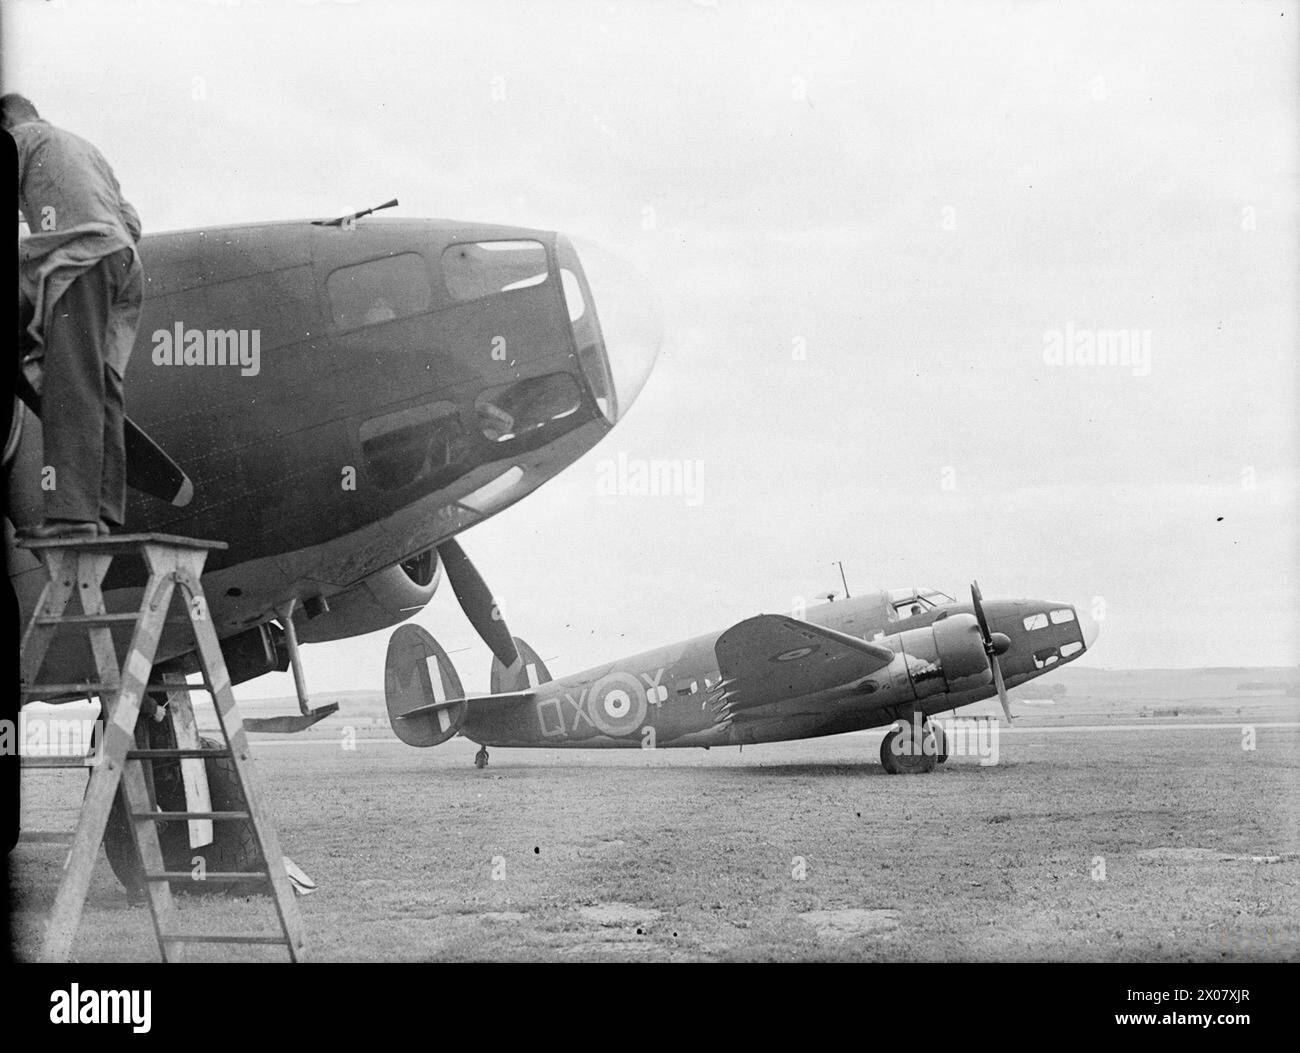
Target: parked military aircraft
point(337, 401)
point(877, 659)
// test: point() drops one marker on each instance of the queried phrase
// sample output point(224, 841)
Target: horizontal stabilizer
point(472, 701)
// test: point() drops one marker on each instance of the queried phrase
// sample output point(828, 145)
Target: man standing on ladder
point(81, 280)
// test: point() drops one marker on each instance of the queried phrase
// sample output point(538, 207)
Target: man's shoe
point(63, 528)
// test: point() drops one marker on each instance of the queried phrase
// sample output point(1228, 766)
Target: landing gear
point(903, 752)
point(233, 846)
point(481, 758)
point(940, 744)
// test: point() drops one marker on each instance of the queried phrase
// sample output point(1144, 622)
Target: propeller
point(476, 601)
point(148, 467)
point(994, 645)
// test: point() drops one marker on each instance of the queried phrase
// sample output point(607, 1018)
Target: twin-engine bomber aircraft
point(866, 662)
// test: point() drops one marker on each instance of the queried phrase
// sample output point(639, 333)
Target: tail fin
point(529, 672)
point(418, 675)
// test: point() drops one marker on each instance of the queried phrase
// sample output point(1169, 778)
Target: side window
point(379, 290)
point(483, 268)
point(1063, 615)
point(511, 410)
point(1036, 621)
point(423, 442)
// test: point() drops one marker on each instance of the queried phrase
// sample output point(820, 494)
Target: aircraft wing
point(772, 658)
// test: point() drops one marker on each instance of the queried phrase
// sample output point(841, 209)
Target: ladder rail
point(268, 842)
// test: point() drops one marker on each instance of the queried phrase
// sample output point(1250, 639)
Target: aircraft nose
point(1088, 624)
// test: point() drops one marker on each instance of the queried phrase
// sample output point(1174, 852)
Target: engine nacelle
point(946, 656)
point(385, 598)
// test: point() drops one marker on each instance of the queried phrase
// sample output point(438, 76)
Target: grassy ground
point(1108, 845)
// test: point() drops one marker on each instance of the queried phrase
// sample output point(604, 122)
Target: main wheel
point(233, 848)
point(902, 754)
point(481, 758)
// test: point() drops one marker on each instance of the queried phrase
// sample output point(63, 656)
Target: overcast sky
point(864, 222)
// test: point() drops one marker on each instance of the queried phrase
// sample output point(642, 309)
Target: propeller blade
point(1000, 684)
point(994, 645)
point(977, 600)
point(151, 471)
point(476, 601)
point(148, 467)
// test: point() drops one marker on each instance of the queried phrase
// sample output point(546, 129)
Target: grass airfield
point(1123, 822)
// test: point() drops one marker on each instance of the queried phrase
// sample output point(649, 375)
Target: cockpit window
point(511, 410)
point(908, 603)
point(573, 298)
point(1036, 621)
point(1062, 616)
point(379, 290)
point(477, 269)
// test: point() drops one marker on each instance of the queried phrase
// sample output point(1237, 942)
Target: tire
point(887, 758)
point(233, 848)
point(909, 763)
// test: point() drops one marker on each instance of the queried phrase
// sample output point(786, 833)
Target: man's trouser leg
point(72, 397)
point(81, 398)
point(112, 490)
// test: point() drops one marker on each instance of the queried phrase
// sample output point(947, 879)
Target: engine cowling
point(946, 656)
point(384, 599)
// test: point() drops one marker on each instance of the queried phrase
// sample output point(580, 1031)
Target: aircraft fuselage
point(674, 696)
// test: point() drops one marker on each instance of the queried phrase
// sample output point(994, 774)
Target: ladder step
point(164, 817)
point(193, 751)
point(205, 937)
point(85, 687)
point(116, 543)
point(211, 875)
point(56, 761)
point(159, 685)
point(88, 619)
point(88, 687)
point(45, 837)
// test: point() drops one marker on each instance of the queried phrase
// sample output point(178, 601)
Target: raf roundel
point(795, 655)
point(617, 704)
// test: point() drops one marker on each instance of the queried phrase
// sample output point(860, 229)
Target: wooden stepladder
point(77, 567)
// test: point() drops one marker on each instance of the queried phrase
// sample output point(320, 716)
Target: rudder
point(418, 673)
point(530, 671)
